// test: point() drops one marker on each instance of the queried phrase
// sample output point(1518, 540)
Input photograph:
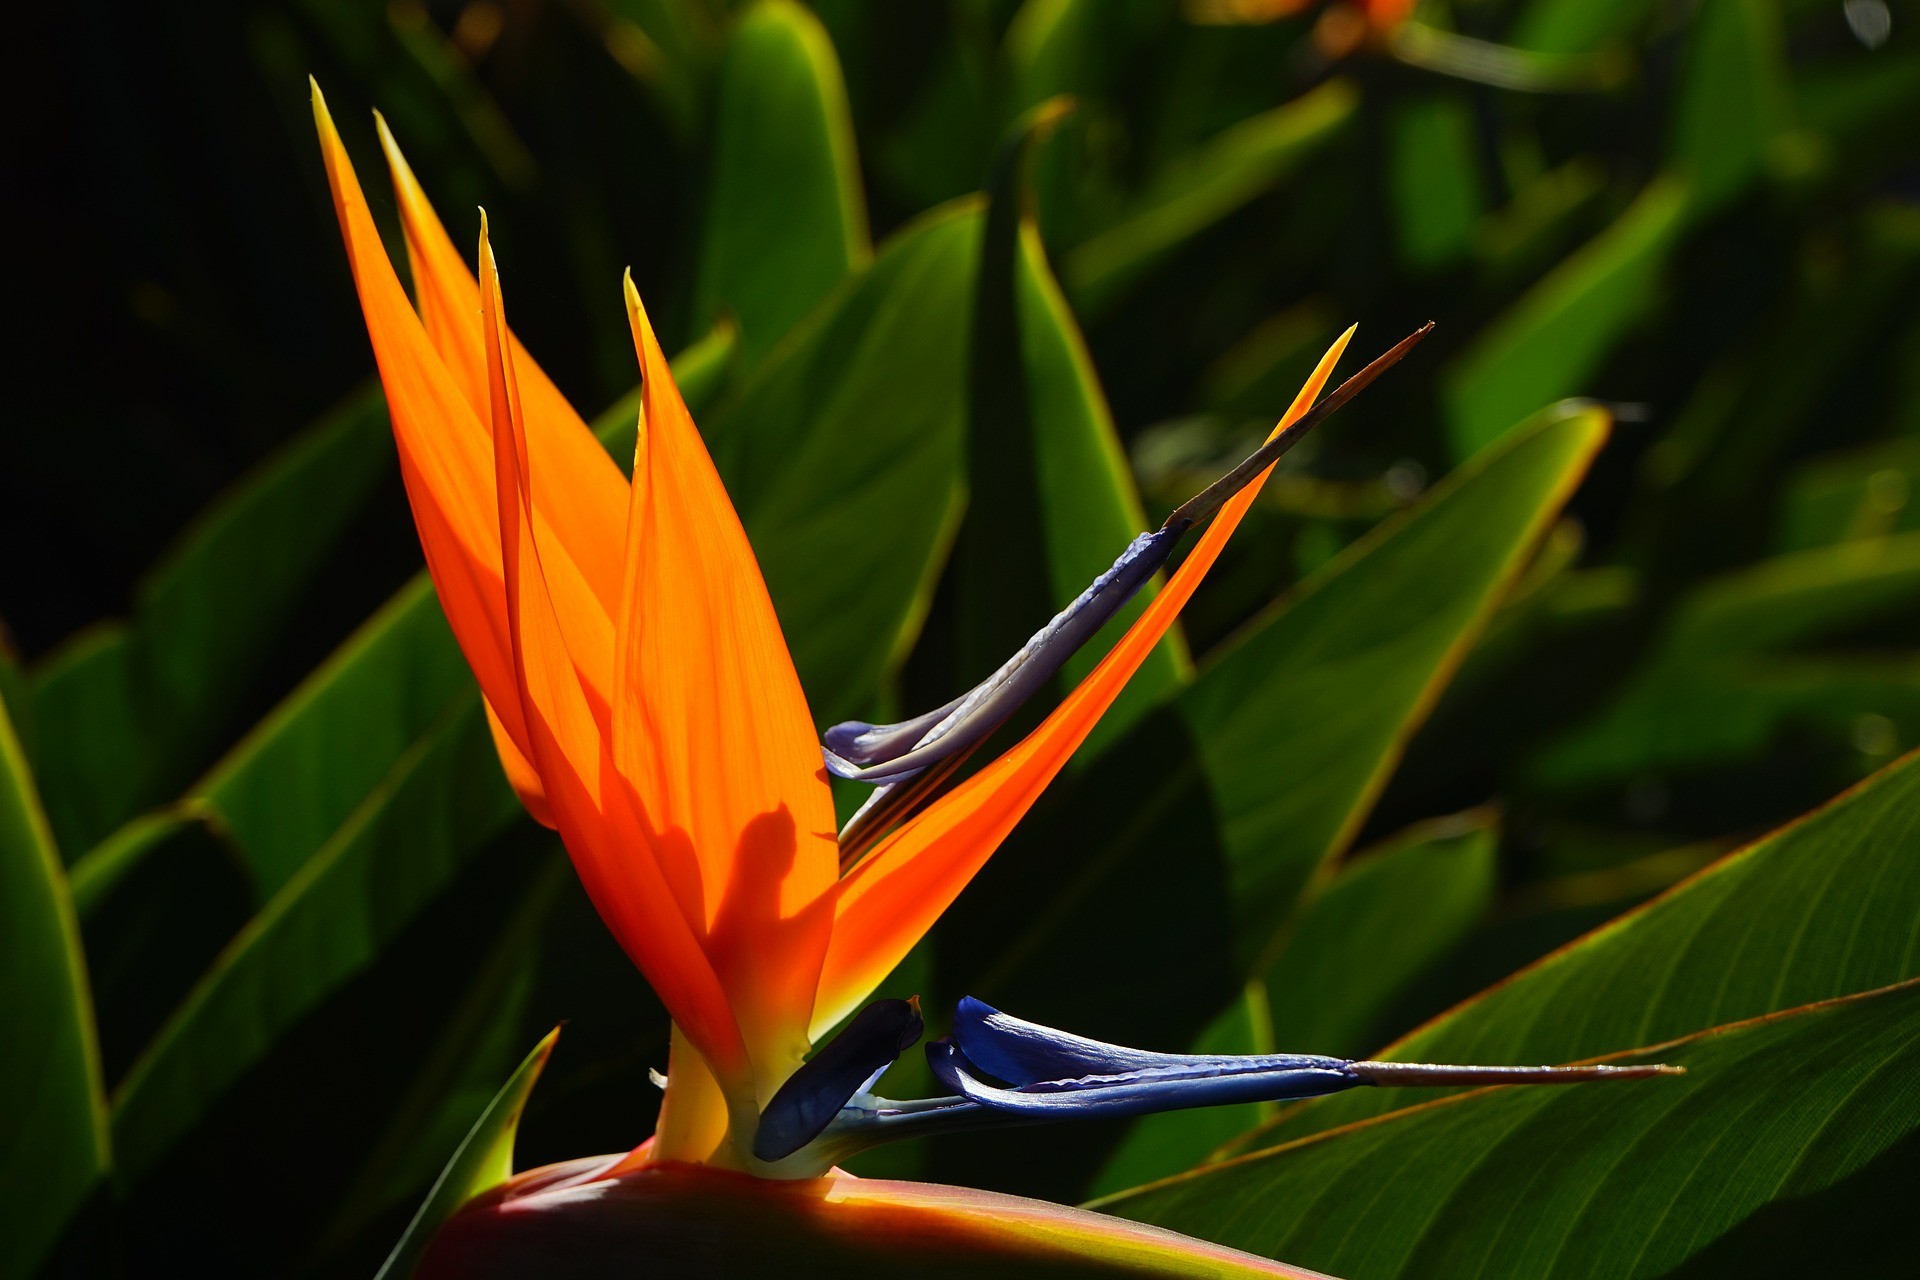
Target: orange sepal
point(592, 513)
point(521, 775)
point(445, 459)
point(609, 845)
point(892, 898)
point(711, 728)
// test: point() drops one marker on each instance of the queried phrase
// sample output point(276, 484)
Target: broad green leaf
point(401, 846)
point(1349, 950)
point(90, 757)
point(208, 614)
point(288, 786)
point(1559, 333)
point(1625, 1179)
point(1823, 908)
point(1301, 719)
point(1433, 172)
point(53, 1133)
point(784, 219)
point(483, 1160)
point(1050, 497)
point(157, 901)
point(1194, 193)
point(1383, 918)
point(127, 712)
point(842, 454)
point(1733, 98)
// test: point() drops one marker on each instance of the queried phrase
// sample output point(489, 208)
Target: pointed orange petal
point(608, 844)
point(890, 900)
point(521, 775)
point(712, 729)
point(445, 458)
point(589, 513)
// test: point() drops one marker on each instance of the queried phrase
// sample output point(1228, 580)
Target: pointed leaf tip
point(483, 1160)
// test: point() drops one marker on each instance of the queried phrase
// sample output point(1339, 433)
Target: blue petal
point(1142, 1092)
point(1026, 1054)
point(847, 1065)
point(893, 753)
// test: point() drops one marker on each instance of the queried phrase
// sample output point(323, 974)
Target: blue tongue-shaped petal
point(1198, 1083)
point(1053, 1075)
point(1030, 1056)
point(846, 1065)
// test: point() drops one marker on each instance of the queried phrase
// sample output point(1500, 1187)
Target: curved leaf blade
point(1351, 948)
point(1821, 909)
point(842, 454)
point(53, 1135)
point(1622, 1180)
point(785, 221)
point(402, 845)
point(483, 1160)
point(1302, 719)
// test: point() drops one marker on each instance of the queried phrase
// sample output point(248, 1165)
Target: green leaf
point(1560, 332)
point(1433, 173)
point(1733, 99)
point(484, 1160)
point(1300, 721)
point(53, 1133)
point(210, 612)
point(1576, 26)
point(1050, 497)
point(401, 846)
point(1624, 1179)
point(1714, 686)
point(89, 758)
point(287, 787)
point(1349, 951)
point(1386, 916)
point(127, 713)
point(784, 220)
point(842, 454)
point(157, 901)
point(1820, 909)
point(1197, 191)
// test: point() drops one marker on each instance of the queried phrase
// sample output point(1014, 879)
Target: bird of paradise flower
point(644, 705)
